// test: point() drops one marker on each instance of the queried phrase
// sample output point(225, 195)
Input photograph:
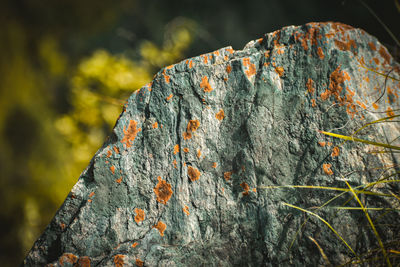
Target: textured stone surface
point(179, 180)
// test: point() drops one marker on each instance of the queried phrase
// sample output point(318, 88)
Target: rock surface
point(179, 181)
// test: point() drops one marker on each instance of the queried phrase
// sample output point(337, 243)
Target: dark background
point(55, 107)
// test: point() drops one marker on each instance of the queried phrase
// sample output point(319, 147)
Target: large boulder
point(181, 180)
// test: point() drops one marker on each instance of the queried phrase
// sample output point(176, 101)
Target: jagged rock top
point(179, 181)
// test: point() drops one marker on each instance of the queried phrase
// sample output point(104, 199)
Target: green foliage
point(57, 110)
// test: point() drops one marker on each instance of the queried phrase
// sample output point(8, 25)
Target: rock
point(180, 180)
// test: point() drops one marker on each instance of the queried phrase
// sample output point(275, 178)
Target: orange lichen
point(139, 263)
point(155, 125)
point(109, 153)
point(375, 106)
point(186, 210)
point(390, 112)
point(116, 150)
point(216, 53)
point(280, 71)
point(163, 191)
point(313, 104)
point(84, 261)
point(205, 85)
point(134, 245)
point(335, 152)
point(214, 165)
point(119, 260)
point(187, 135)
point(220, 115)
point(346, 76)
point(309, 86)
point(345, 45)
point(190, 64)
point(376, 61)
point(198, 153)
point(130, 134)
point(336, 78)
point(228, 69)
point(160, 226)
point(327, 168)
point(205, 59)
point(176, 149)
point(62, 226)
point(320, 53)
point(254, 190)
point(112, 168)
point(251, 68)
point(119, 180)
point(322, 144)
point(140, 215)
point(230, 50)
point(175, 163)
point(194, 174)
point(372, 46)
point(246, 188)
point(169, 97)
point(193, 125)
point(266, 54)
point(166, 77)
point(68, 258)
point(361, 104)
point(383, 52)
point(185, 149)
point(91, 194)
point(227, 175)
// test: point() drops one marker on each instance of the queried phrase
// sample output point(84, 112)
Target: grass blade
point(371, 223)
point(328, 263)
point(349, 138)
point(330, 227)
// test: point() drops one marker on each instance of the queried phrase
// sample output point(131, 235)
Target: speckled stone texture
point(179, 181)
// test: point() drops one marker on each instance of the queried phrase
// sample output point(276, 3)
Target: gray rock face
point(180, 180)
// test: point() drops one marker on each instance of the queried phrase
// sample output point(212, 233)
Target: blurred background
point(67, 66)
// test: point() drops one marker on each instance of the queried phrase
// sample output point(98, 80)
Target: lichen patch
point(246, 188)
point(119, 260)
point(227, 175)
point(280, 71)
point(193, 173)
point(335, 152)
point(185, 209)
point(327, 168)
point(205, 85)
point(176, 149)
point(320, 53)
point(309, 86)
point(220, 115)
point(140, 215)
point(68, 258)
point(139, 262)
point(160, 226)
point(130, 133)
point(250, 68)
point(163, 191)
point(192, 126)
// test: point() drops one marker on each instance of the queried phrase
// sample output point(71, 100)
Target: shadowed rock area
point(180, 180)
